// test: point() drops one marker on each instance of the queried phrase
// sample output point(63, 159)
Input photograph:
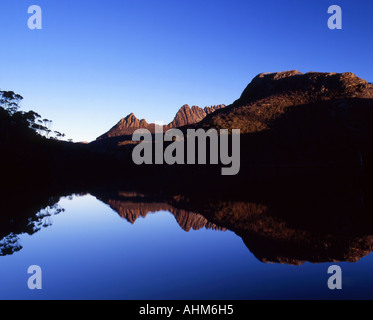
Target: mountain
point(185, 116)
point(271, 96)
point(127, 126)
point(291, 123)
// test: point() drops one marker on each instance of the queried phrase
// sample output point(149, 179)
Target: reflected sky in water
point(90, 252)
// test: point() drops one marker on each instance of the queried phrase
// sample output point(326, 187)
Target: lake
point(125, 249)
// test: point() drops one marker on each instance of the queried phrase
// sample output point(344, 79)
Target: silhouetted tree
point(58, 135)
point(15, 122)
point(10, 101)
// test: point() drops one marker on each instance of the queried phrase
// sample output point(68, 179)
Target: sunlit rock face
point(185, 116)
point(270, 96)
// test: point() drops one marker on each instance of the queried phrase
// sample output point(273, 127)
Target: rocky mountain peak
point(315, 85)
point(185, 116)
point(270, 97)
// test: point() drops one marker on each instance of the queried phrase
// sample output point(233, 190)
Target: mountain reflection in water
point(324, 229)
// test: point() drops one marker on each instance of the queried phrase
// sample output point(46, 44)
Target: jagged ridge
point(185, 116)
point(269, 95)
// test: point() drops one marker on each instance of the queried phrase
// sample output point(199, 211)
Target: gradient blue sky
point(95, 62)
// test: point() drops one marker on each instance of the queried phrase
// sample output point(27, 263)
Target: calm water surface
point(90, 252)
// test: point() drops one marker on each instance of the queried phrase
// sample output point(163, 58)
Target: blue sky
point(95, 62)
